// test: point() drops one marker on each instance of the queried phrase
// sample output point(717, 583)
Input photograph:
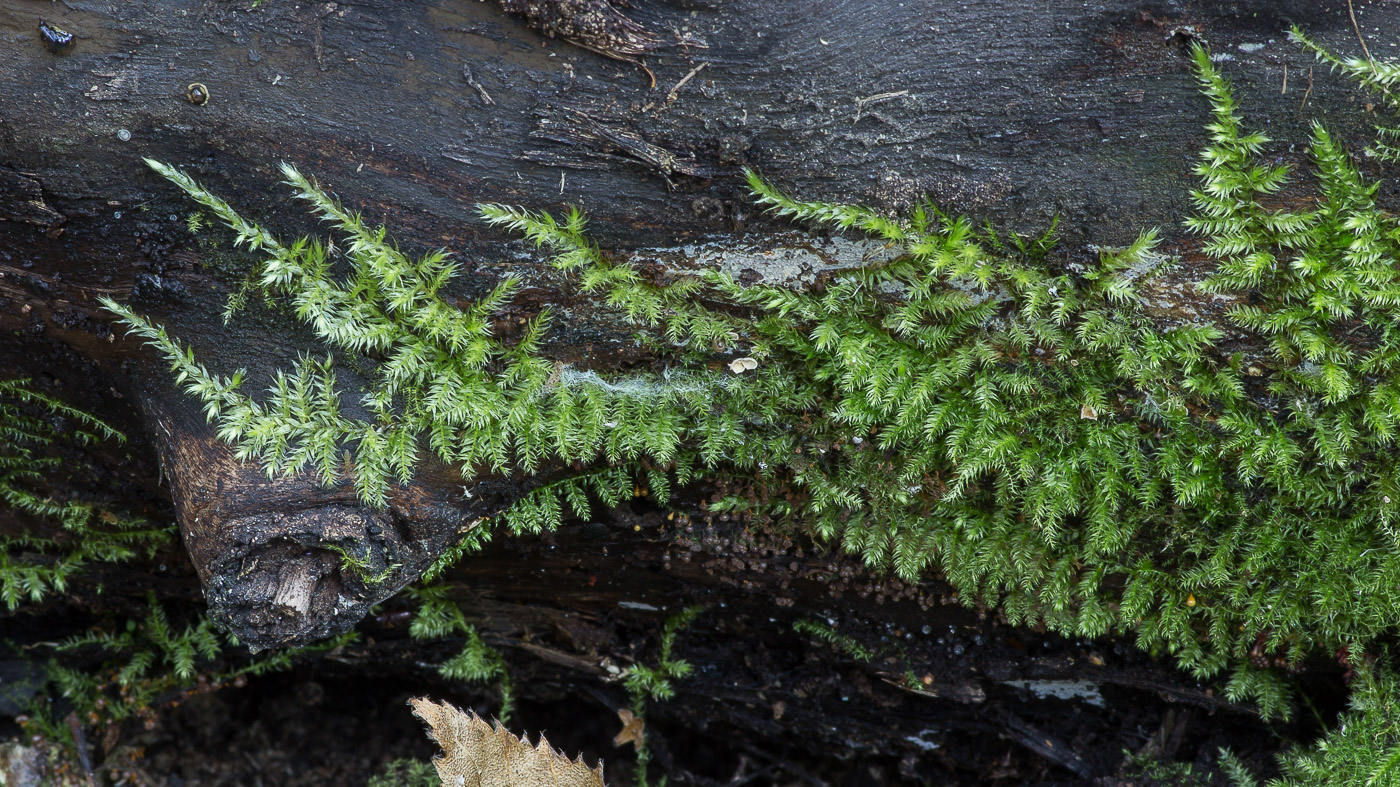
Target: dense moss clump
point(966, 406)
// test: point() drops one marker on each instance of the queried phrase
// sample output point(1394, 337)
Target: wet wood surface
point(414, 112)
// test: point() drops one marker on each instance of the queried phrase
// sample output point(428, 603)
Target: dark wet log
point(287, 561)
point(571, 608)
point(22, 200)
point(413, 112)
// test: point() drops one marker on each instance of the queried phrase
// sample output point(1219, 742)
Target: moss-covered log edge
point(964, 405)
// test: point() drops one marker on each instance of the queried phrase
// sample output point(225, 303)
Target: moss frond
point(34, 564)
point(131, 672)
point(439, 618)
point(1380, 77)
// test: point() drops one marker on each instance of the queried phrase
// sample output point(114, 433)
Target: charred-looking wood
point(22, 200)
point(595, 25)
point(269, 572)
point(600, 145)
point(284, 561)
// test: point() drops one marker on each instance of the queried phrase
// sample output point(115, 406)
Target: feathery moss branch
point(967, 405)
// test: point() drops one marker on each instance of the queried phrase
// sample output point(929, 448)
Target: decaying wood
point(596, 25)
point(413, 112)
point(274, 554)
point(595, 144)
point(22, 200)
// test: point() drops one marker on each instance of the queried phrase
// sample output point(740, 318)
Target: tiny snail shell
point(56, 39)
point(197, 94)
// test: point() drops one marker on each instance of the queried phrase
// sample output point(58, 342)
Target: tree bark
point(413, 112)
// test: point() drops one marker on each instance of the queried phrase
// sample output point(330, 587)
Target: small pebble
point(57, 40)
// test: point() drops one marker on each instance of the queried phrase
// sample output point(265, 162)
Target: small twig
point(456, 153)
point(1307, 92)
point(862, 103)
point(80, 743)
point(1284, 91)
point(671, 96)
point(1045, 745)
point(471, 80)
point(1359, 37)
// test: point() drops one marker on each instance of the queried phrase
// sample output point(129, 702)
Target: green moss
point(965, 407)
point(406, 773)
point(359, 565)
point(113, 674)
point(842, 642)
point(1149, 772)
point(477, 662)
point(1379, 78)
point(644, 682)
point(107, 675)
point(66, 535)
point(1363, 749)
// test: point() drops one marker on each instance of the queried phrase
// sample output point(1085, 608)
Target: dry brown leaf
point(476, 754)
point(633, 730)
